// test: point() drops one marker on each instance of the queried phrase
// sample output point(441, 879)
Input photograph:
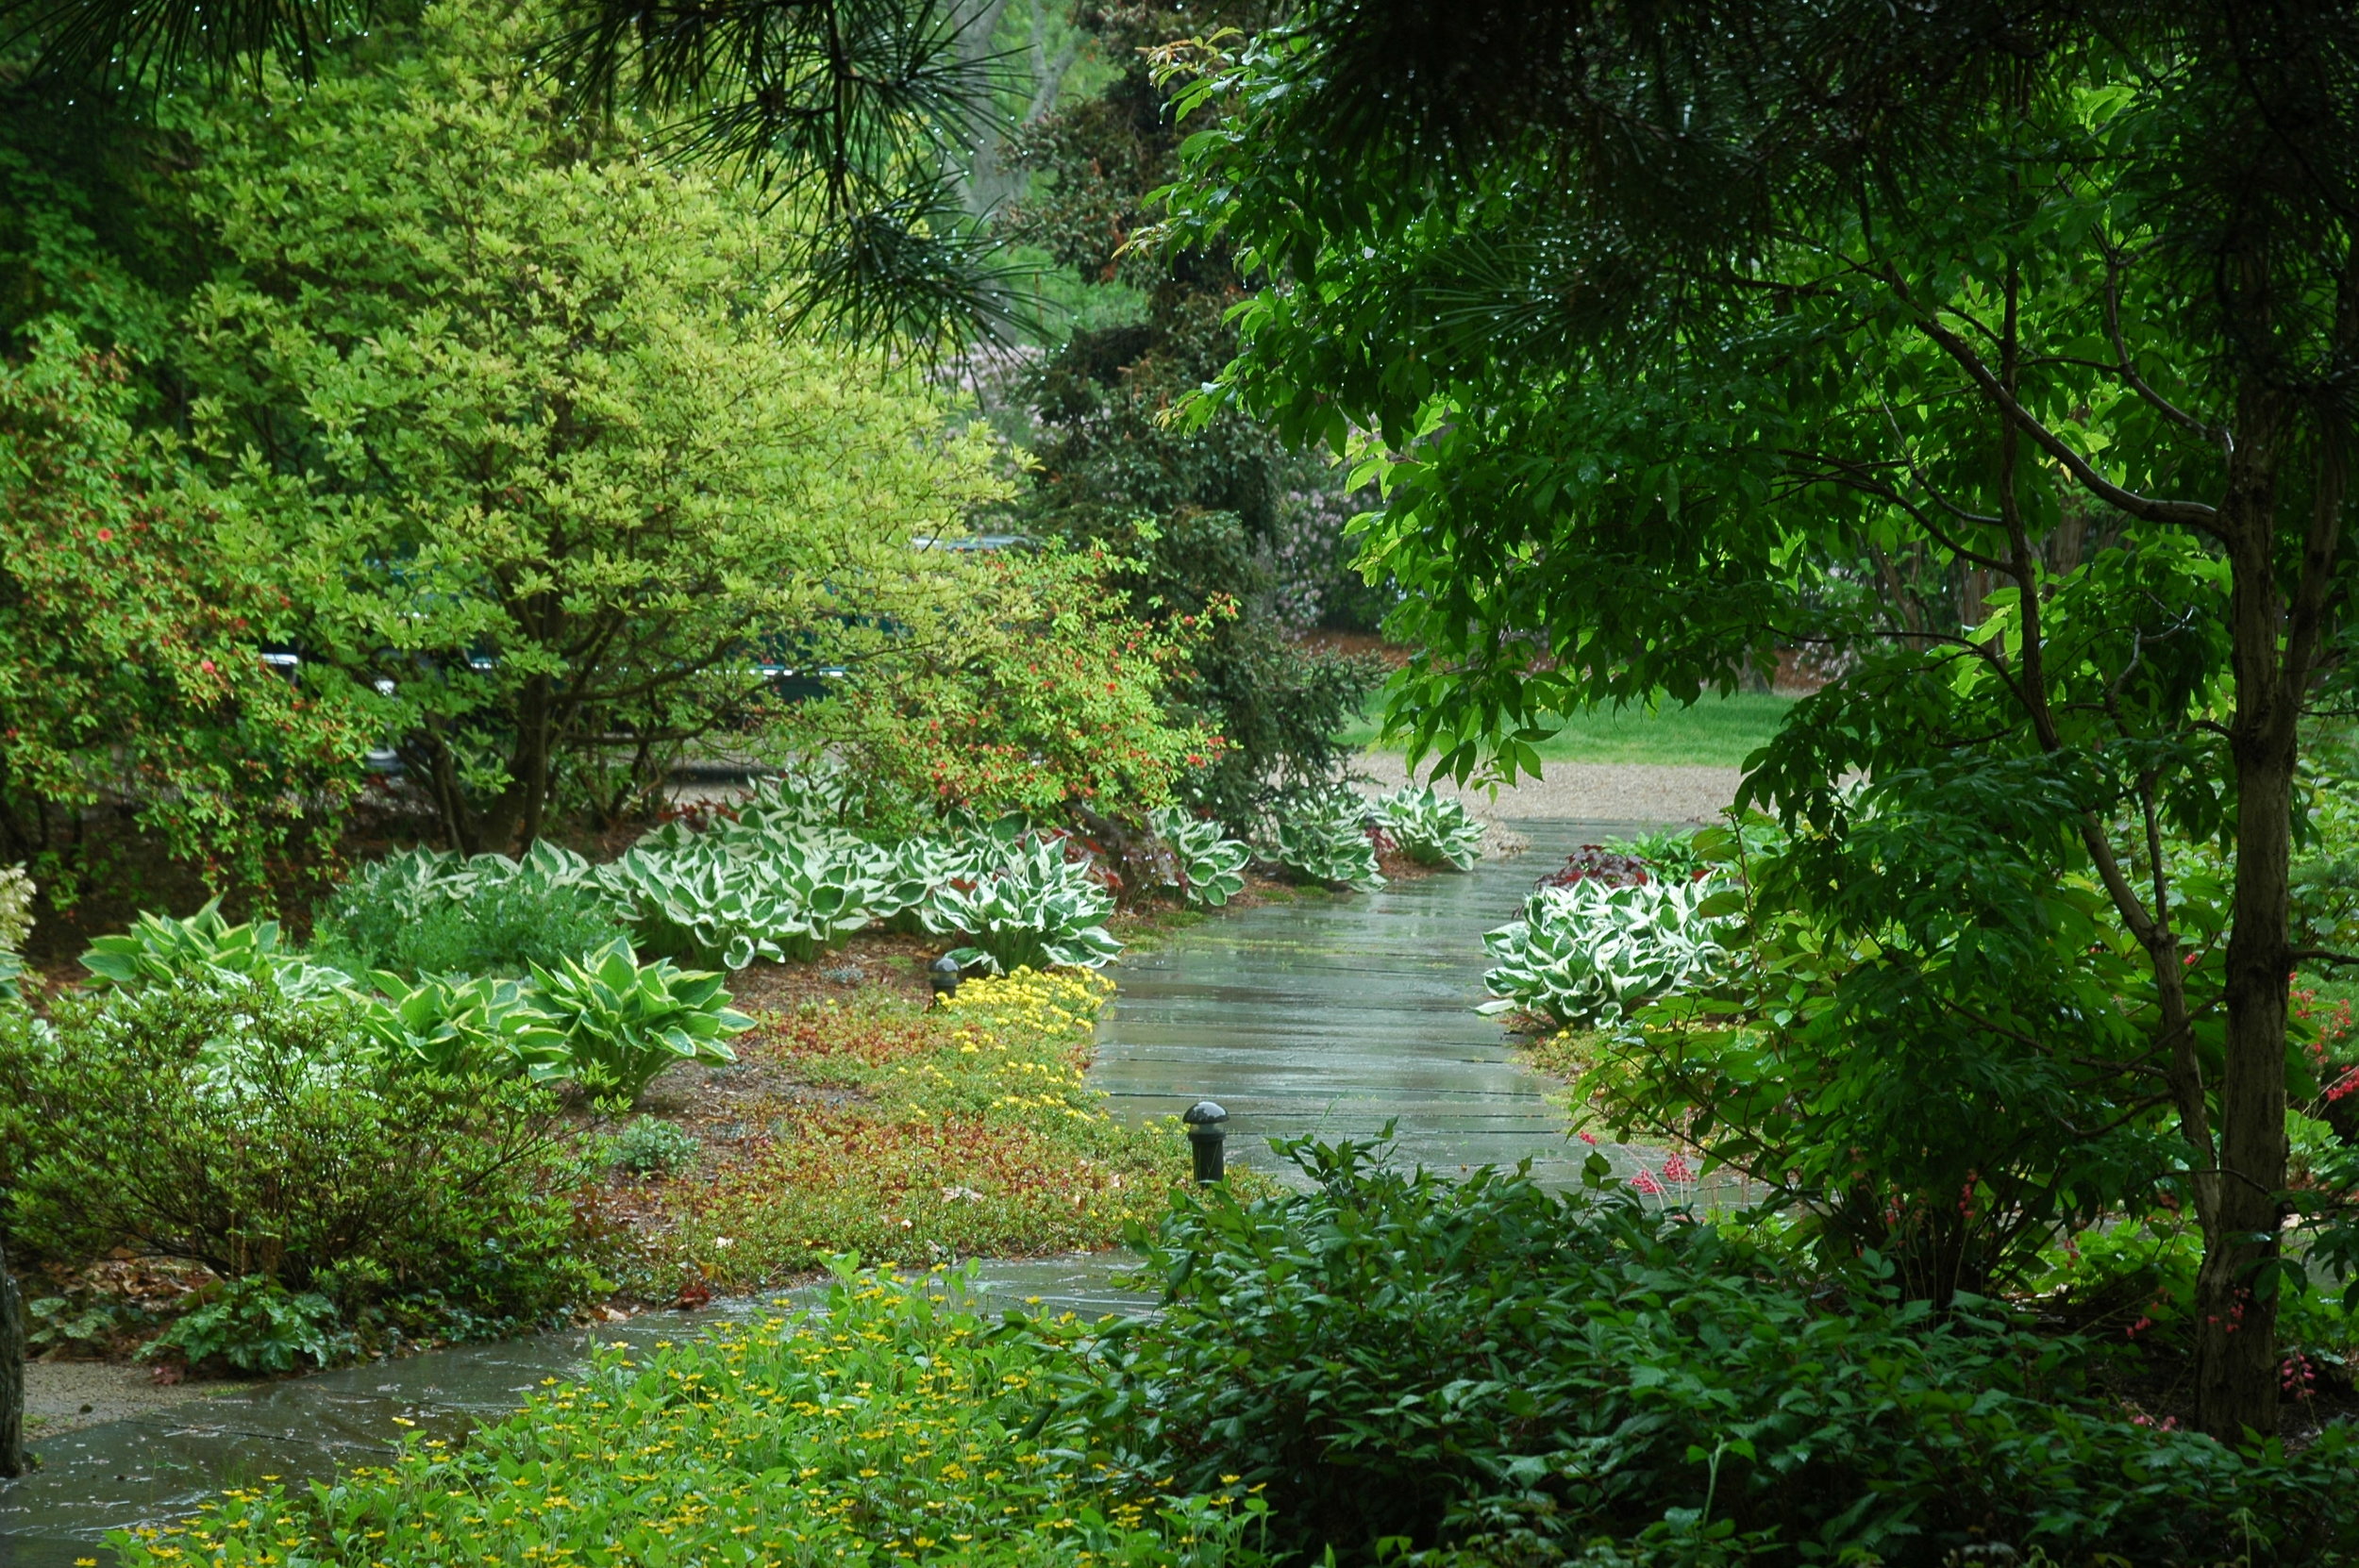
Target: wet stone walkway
point(1329, 1016)
point(1333, 1016)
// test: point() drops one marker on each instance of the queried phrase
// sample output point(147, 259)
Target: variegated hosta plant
point(158, 949)
point(1325, 838)
point(1430, 830)
point(1035, 908)
point(417, 878)
point(16, 924)
point(1588, 953)
point(623, 1021)
point(1208, 865)
point(711, 907)
point(452, 1026)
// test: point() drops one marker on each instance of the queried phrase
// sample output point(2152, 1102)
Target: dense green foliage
point(853, 113)
point(547, 468)
point(496, 425)
point(1036, 689)
point(220, 1123)
point(132, 603)
point(500, 928)
point(1490, 1369)
point(2049, 301)
point(602, 1020)
point(1220, 517)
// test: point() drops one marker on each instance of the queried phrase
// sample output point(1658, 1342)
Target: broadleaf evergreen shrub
point(265, 1137)
point(1488, 1368)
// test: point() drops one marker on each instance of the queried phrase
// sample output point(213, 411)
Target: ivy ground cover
point(910, 1137)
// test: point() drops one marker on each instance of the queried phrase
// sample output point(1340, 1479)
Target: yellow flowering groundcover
point(895, 1426)
point(914, 1138)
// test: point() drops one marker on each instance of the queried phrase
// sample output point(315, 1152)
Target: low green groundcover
point(890, 1428)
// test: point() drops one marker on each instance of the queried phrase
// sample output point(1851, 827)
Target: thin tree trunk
point(12, 1374)
point(2236, 1304)
point(529, 773)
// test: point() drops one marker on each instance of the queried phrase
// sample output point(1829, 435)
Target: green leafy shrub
point(1207, 865)
point(1033, 682)
point(623, 1022)
point(420, 914)
point(711, 475)
point(1034, 909)
point(133, 597)
point(261, 1135)
point(1430, 830)
point(2134, 1280)
point(256, 1324)
point(1489, 1368)
point(1674, 853)
point(1913, 1055)
point(1324, 837)
point(890, 1428)
point(650, 1147)
point(84, 1327)
point(1589, 952)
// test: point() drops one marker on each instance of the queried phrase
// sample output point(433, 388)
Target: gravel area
point(1585, 792)
point(61, 1397)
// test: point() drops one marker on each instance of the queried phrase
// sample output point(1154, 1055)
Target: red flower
point(105, 534)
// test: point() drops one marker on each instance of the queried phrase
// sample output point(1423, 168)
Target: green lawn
point(1717, 732)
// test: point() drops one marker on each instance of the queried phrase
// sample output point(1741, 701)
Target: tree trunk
point(524, 804)
point(2235, 1300)
point(12, 1374)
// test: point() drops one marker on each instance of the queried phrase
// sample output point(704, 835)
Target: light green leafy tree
point(514, 394)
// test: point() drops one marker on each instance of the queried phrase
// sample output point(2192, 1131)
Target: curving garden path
point(1328, 1015)
point(1334, 1016)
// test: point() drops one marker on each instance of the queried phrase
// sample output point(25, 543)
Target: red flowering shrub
point(1033, 687)
point(133, 615)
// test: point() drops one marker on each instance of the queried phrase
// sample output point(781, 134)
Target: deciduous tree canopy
point(1676, 334)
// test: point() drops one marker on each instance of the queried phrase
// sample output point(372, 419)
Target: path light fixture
point(943, 976)
point(1206, 1132)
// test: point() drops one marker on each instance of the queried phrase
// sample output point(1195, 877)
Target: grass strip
point(1715, 733)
